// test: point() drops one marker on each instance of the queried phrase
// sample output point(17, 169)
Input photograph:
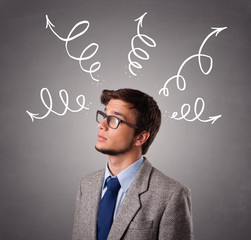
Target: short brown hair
point(148, 113)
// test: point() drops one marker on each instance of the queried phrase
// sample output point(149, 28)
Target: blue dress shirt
point(125, 179)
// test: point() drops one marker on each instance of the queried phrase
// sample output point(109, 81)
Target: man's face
point(121, 140)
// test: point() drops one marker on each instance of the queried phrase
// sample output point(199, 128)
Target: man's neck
point(119, 163)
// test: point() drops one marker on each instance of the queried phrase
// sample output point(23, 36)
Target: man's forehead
point(115, 104)
point(120, 108)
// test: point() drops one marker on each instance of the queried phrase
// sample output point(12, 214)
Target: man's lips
point(101, 138)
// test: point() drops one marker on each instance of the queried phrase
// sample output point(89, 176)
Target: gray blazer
point(155, 207)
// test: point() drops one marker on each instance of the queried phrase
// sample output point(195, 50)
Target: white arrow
point(179, 77)
point(95, 66)
point(186, 109)
point(146, 40)
point(65, 100)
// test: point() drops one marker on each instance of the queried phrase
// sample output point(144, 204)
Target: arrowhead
point(213, 119)
point(48, 22)
point(140, 19)
point(32, 115)
point(218, 30)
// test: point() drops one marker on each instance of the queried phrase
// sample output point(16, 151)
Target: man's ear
point(141, 138)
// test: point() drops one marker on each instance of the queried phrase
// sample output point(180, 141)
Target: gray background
point(43, 161)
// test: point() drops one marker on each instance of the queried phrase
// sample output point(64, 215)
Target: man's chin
point(107, 151)
point(114, 152)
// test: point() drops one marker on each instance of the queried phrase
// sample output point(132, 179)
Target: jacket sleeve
point(176, 222)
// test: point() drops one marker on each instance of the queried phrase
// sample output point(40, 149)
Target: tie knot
point(113, 184)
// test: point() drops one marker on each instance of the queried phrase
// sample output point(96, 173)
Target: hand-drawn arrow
point(146, 40)
point(184, 113)
point(179, 77)
point(95, 66)
point(65, 100)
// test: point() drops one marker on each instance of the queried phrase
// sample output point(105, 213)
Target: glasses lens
point(113, 122)
point(100, 117)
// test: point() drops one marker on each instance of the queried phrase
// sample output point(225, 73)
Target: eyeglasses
point(112, 121)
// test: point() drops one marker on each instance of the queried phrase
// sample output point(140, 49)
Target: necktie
point(106, 208)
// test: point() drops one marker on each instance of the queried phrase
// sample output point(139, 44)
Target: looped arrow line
point(96, 65)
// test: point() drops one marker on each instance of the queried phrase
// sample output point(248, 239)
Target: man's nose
point(103, 124)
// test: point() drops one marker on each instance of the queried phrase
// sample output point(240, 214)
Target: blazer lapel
point(131, 203)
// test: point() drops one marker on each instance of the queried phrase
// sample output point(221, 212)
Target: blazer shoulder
point(93, 177)
point(162, 182)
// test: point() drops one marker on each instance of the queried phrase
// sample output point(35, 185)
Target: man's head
point(141, 119)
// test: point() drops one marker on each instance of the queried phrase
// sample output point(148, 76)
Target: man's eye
point(114, 121)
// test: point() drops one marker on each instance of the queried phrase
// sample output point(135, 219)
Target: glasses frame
point(108, 120)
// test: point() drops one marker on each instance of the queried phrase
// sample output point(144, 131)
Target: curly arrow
point(185, 112)
point(182, 85)
point(146, 40)
point(95, 66)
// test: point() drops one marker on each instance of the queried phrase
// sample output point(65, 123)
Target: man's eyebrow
point(117, 113)
point(120, 114)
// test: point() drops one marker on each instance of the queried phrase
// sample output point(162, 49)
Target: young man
point(130, 199)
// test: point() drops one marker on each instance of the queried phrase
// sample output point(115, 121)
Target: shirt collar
point(126, 176)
